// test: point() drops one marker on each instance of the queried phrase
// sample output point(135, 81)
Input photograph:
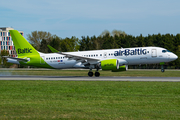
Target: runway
point(79, 78)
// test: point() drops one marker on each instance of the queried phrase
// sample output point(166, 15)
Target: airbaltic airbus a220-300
point(110, 59)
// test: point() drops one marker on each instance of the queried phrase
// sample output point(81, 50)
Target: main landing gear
point(90, 74)
point(97, 74)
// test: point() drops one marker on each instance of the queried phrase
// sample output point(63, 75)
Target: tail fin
point(22, 46)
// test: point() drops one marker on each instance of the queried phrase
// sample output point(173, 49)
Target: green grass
point(150, 73)
point(89, 100)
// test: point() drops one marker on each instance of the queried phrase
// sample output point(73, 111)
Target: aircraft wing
point(18, 59)
point(84, 60)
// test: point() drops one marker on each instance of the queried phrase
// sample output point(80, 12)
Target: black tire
point(90, 74)
point(162, 70)
point(97, 74)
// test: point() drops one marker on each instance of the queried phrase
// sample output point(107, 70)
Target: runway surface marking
point(79, 78)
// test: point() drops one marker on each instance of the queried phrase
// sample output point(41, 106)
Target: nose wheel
point(162, 68)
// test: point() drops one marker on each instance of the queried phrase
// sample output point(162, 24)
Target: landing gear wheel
point(162, 70)
point(97, 74)
point(90, 74)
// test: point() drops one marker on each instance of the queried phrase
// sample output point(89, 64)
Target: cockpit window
point(163, 51)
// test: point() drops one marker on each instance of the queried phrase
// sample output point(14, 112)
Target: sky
point(67, 18)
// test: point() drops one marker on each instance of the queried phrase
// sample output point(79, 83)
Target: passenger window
point(100, 54)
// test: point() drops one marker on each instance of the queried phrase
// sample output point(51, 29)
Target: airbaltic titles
point(127, 52)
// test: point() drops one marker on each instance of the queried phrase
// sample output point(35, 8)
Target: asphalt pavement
point(79, 78)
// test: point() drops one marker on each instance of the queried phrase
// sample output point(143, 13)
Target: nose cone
point(173, 57)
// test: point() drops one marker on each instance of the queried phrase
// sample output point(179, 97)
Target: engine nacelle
point(110, 64)
point(121, 68)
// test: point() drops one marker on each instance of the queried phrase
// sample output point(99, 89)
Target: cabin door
point(154, 53)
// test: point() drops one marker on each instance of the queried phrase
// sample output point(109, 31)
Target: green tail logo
point(25, 50)
point(22, 46)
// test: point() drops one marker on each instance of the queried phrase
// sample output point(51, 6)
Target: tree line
point(107, 40)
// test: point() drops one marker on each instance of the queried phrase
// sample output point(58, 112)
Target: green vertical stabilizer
point(22, 46)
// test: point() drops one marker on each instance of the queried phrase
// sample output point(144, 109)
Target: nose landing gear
point(162, 68)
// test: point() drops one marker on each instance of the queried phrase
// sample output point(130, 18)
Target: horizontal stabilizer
point(18, 59)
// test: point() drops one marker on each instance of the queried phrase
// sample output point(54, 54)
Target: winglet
point(52, 49)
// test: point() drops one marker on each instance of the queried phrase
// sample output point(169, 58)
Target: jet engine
point(110, 64)
point(115, 65)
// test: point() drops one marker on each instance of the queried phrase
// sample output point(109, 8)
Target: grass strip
point(89, 100)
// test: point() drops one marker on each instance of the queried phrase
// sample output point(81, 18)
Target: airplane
point(115, 60)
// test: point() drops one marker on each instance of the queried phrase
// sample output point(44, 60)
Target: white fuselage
point(126, 56)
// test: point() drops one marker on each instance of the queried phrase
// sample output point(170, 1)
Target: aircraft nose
point(173, 57)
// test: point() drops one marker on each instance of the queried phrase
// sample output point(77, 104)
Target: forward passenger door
point(154, 53)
